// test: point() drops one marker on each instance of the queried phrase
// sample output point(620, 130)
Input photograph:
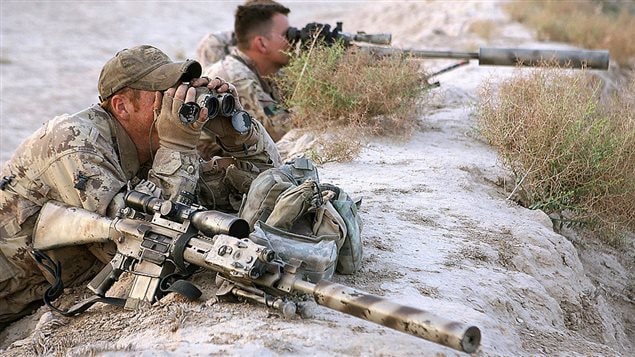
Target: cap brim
point(168, 75)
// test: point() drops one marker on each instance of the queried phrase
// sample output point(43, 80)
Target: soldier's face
point(143, 116)
point(277, 43)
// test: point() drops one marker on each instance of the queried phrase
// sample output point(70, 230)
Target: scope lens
point(241, 121)
point(293, 34)
point(227, 105)
point(188, 113)
point(212, 105)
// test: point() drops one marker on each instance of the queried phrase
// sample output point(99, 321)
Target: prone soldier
point(260, 30)
point(134, 138)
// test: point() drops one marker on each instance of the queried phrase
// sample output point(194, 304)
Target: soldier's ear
point(260, 44)
point(119, 104)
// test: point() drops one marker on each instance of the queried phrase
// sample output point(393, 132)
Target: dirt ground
point(439, 234)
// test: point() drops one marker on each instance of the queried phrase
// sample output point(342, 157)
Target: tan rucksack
point(291, 199)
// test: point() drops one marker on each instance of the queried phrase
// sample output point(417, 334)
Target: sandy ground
point(439, 231)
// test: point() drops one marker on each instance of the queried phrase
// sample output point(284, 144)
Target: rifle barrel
point(403, 318)
point(592, 59)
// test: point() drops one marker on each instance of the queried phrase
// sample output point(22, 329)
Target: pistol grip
point(104, 280)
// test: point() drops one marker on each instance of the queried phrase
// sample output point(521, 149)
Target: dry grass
point(339, 145)
point(342, 90)
point(572, 155)
point(592, 24)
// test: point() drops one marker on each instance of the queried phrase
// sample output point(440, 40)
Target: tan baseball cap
point(145, 68)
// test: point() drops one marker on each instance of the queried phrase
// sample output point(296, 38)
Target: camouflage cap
point(145, 68)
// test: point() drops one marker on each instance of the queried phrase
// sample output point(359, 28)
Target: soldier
point(261, 50)
point(88, 160)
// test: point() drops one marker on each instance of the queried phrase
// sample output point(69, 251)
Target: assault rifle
point(592, 59)
point(157, 239)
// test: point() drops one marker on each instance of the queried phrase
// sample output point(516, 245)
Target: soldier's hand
point(223, 128)
point(173, 133)
point(221, 86)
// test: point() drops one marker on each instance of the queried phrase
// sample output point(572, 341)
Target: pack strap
point(57, 288)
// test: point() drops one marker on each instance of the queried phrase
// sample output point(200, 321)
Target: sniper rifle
point(592, 59)
point(159, 241)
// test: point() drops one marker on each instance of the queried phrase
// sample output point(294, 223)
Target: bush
point(571, 154)
point(590, 24)
point(336, 87)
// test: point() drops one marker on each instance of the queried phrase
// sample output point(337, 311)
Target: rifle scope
point(208, 222)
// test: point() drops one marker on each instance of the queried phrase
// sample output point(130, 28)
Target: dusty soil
point(439, 233)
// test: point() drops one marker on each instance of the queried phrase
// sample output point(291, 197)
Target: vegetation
point(339, 90)
point(571, 153)
point(592, 24)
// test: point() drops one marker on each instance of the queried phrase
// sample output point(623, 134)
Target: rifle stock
point(153, 248)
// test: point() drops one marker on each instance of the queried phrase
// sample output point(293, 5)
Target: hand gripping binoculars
point(219, 106)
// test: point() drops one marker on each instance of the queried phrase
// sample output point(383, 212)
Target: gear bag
point(291, 199)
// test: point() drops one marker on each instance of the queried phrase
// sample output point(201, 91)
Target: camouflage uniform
point(227, 172)
point(86, 160)
point(83, 160)
point(213, 47)
point(258, 95)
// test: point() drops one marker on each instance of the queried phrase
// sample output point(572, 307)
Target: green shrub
point(338, 87)
point(572, 154)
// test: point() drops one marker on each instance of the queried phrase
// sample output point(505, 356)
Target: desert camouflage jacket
point(258, 95)
point(87, 160)
point(82, 160)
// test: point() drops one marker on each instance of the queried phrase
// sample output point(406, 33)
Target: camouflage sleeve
point(84, 179)
point(175, 172)
point(227, 175)
point(272, 114)
point(263, 154)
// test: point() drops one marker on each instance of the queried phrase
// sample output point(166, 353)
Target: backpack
point(291, 203)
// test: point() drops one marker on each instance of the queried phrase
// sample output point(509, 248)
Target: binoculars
point(219, 106)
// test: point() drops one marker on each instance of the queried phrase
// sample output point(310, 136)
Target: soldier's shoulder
point(214, 47)
point(61, 136)
point(231, 69)
point(67, 133)
point(88, 122)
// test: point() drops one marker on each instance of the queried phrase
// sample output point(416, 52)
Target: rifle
point(323, 31)
point(157, 239)
point(592, 59)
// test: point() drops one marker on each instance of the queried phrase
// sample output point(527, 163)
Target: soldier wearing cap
point(260, 28)
point(134, 138)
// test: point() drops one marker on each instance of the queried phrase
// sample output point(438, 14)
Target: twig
point(315, 37)
point(520, 182)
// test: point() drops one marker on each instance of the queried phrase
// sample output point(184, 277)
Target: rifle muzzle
point(416, 322)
